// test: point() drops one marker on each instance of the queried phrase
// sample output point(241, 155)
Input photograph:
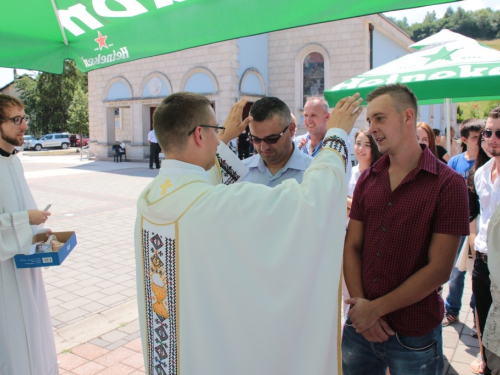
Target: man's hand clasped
point(233, 124)
point(345, 113)
point(367, 321)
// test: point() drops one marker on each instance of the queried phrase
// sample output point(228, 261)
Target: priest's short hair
point(176, 116)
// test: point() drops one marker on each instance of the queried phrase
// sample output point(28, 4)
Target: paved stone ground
point(92, 296)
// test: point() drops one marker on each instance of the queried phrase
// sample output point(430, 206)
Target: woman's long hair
point(482, 159)
point(431, 136)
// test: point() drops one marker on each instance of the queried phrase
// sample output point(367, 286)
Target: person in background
point(425, 136)
point(492, 328)
point(470, 131)
point(316, 116)
point(154, 150)
point(294, 119)
point(367, 154)
point(453, 145)
point(442, 152)
point(487, 186)
point(477, 366)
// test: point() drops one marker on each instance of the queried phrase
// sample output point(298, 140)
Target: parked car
point(85, 141)
point(50, 140)
point(28, 139)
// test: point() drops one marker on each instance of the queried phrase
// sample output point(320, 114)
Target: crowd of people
point(210, 303)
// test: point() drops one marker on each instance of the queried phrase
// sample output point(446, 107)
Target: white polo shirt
point(489, 197)
point(152, 137)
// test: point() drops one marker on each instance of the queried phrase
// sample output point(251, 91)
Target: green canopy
point(461, 71)
point(41, 34)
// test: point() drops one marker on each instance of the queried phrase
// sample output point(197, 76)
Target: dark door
point(151, 114)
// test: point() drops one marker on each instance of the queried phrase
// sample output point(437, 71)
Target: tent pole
point(448, 125)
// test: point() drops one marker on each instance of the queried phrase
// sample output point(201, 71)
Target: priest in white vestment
point(224, 285)
point(26, 340)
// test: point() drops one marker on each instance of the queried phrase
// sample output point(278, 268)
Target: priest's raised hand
point(345, 113)
point(233, 126)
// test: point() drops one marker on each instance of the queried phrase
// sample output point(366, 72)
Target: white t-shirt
point(355, 173)
point(489, 197)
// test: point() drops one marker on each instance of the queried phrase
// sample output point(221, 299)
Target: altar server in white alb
point(224, 287)
point(26, 340)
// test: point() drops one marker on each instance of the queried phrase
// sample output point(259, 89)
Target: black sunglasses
point(216, 127)
point(488, 133)
point(270, 139)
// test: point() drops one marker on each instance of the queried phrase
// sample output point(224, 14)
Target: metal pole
point(448, 125)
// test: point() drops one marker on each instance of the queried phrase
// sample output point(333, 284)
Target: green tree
point(26, 86)
point(55, 93)
point(78, 113)
point(480, 24)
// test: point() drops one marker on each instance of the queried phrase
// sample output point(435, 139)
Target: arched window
point(313, 76)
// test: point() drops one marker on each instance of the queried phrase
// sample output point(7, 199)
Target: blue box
point(51, 258)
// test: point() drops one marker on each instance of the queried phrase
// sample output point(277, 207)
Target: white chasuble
point(228, 284)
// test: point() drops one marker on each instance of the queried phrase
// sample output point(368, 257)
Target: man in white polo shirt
point(487, 186)
point(154, 150)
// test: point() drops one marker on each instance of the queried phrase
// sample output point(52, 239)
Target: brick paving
point(92, 296)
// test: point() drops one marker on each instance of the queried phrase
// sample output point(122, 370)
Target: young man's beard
point(12, 141)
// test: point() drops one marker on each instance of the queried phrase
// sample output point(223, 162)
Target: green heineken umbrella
point(41, 34)
point(461, 71)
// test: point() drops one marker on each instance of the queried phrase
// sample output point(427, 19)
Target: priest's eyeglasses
point(18, 120)
point(270, 139)
point(488, 133)
point(216, 127)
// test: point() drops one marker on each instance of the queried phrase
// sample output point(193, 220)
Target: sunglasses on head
point(270, 139)
point(488, 133)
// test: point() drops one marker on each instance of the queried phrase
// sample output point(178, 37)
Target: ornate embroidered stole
point(161, 287)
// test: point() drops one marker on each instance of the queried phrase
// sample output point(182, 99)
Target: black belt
point(482, 256)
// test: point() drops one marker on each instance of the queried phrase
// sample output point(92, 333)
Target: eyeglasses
point(270, 139)
point(488, 133)
point(18, 120)
point(216, 127)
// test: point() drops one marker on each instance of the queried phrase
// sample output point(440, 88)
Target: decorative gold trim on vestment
point(173, 191)
point(145, 302)
point(187, 209)
point(177, 294)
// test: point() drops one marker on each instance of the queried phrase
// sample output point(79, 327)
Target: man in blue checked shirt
point(277, 158)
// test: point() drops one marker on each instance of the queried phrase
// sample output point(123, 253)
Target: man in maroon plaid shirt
point(408, 214)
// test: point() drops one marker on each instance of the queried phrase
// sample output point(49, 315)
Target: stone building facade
point(290, 64)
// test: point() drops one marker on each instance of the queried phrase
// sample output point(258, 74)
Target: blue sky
point(413, 16)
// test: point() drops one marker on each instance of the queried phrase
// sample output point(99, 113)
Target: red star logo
point(101, 40)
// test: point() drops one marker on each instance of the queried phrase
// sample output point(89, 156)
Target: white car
point(50, 140)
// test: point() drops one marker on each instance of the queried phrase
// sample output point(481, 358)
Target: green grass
point(495, 43)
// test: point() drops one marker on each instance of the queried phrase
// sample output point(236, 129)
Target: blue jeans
point(403, 355)
point(453, 302)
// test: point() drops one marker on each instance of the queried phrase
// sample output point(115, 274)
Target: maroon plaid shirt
point(397, 229)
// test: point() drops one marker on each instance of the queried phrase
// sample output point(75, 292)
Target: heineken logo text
point(106, 59)
point(80, 12)
point(461, 71)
